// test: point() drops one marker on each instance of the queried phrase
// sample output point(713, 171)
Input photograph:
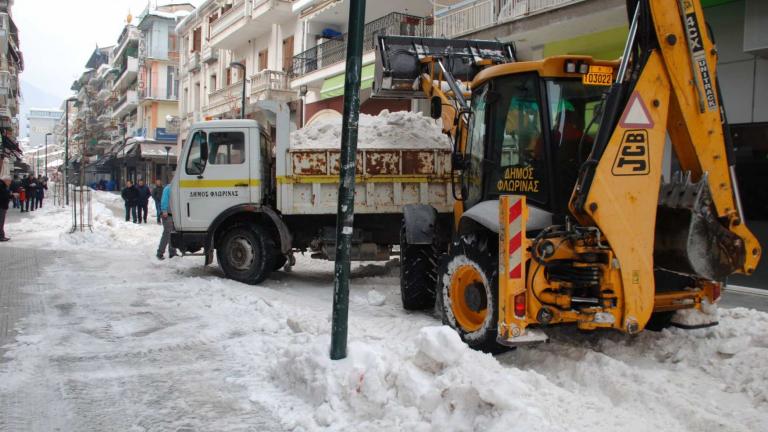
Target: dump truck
point(256, 200)
point(562, 214)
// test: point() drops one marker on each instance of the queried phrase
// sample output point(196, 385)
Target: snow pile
point(435, 383)
point(396, 130)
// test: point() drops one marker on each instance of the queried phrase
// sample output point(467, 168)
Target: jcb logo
point(632, 158)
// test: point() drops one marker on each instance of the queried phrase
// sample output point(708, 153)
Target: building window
point(197, 39)
point(172, 83)
point(212, 85)
point(287, 54)
point(263, 54)
point(229, 76)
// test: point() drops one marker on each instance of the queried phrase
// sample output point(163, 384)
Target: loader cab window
point(227, 148)
point(472, 179)
point(517, 154)
point(572, 113)
point(198, 154)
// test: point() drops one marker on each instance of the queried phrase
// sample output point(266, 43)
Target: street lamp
point(46, 155)
point(241, 66)
point(66, 147)
point(167, 162)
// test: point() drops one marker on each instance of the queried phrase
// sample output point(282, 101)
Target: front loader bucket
point(689, 237)
point(399, 61)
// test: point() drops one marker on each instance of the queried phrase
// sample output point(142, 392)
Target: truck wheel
point(468, 294)
point(246, 254)
point(280, 260)
point(418, 274)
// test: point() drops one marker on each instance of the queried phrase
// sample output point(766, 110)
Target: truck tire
point(468, 294)
point(246, 253)
point(418, 274)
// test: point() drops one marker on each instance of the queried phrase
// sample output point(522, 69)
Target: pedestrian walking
point(167, 218)
point(15, 186)
point(40, 195)
point(31, 193)
point(157, 196)
point(143, 202)
point(131, 198)
point(5, 198)
point(22, 198)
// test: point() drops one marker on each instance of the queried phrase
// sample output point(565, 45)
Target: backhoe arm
point(693, 225)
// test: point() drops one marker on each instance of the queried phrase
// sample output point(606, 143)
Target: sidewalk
point(18, 283)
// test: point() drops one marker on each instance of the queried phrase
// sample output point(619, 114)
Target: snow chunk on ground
point(376, 298)
point(396, 130)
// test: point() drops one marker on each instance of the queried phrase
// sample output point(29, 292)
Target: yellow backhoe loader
point(563, 213)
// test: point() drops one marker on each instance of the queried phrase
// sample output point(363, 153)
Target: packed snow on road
point(121, 341)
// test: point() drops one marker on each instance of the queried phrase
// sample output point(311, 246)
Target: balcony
point(335, 51)
point(125, 104)
point(193, 63)
point(269, 84)
point(210, 54)
point(247, 19)
point(158, 94)
point(475, 16)
point(128, 74)
point(224, 100)
point(129, 37)
point(5, 83)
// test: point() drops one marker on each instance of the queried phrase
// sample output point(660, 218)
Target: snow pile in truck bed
point(388, 130)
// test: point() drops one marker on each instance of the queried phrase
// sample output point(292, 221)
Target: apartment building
point(319, 63)
point(257, 34)
point(11, 65)
point(41, 123)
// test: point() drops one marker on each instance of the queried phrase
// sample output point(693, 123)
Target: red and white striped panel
point(514, 233)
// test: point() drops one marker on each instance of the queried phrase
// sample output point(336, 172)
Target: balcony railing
point(334, 51)
point(483, 13)
point(465, 19)
point(228, 18)
point(193, 63)
point(210, 54)
point(269, 80)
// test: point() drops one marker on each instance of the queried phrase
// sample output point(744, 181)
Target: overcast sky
point(57, 37)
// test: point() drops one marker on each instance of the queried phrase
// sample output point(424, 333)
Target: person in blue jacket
point(167, 218)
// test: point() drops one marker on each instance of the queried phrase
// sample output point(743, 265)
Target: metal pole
point(346, 206)
point(46, 154)
point(66, 151)
point(167, 162)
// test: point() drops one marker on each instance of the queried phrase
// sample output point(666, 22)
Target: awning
point(334, 86)
point(158, 151)
point(125, 151)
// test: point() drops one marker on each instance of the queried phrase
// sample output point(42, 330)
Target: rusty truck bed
point(386, 180)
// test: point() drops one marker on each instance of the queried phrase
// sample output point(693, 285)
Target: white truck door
point(215, 176)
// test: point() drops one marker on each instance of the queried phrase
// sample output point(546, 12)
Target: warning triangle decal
point(636, 115)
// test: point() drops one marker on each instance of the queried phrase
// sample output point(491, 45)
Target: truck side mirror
point(435, 107)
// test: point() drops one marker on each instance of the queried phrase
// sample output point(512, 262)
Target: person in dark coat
point(157, 196)
point(143, 203)
point(131, 197)
point(5, 198)
point(31, 194)
point(40, 195)
point(23, 197)
point(15, 186)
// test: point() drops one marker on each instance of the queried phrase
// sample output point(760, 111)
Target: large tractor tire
point(468, 295)
point(246, 253)
point(418, 274)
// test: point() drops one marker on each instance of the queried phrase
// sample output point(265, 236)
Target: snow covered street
point(120, 341)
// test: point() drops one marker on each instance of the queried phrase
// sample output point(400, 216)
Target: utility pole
point(46, 155)
point(66, 148)
point(346, 206)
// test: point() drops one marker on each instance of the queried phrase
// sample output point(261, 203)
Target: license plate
point(598, 75)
